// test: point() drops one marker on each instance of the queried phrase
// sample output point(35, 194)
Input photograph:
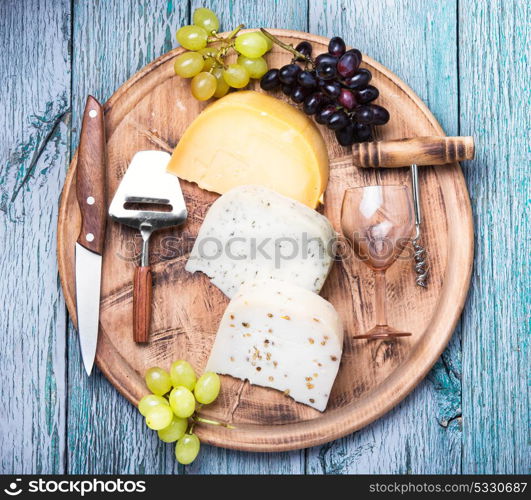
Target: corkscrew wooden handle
point(419, 150)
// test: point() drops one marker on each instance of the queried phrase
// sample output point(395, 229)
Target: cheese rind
point(252, 232)
point(279, 335)
point(252, 138)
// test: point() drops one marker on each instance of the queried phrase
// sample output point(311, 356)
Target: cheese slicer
point(148, 198)
point(431, 150)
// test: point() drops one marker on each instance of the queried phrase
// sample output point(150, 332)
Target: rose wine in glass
point(378, 221)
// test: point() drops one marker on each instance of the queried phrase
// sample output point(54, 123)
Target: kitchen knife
point(91, 192)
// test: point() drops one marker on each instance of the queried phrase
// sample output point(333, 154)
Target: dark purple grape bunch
point(333, 88)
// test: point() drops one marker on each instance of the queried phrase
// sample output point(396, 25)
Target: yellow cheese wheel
point(252, 138)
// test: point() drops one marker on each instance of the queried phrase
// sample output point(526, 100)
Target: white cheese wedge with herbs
point(275, 334)
point(252, 232)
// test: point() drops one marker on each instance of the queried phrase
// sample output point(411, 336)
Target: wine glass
point(378, 221)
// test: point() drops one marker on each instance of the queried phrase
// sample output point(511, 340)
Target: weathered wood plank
point(105, 434)
point(289, 14)
point(417, 40)
point(112, 40)
point(34, 151)
point(494, 76)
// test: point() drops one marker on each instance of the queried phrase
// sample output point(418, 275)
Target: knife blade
point(91, 197)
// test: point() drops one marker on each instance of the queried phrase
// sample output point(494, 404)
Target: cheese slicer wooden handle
point(418, 150)
point(142, 295)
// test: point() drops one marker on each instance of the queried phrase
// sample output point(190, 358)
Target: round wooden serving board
point(151, 111)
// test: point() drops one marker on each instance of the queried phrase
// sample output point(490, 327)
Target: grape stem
point(197, 418)
point(221, 53)
point(228, 42)
point(216, 38)
point(285, 46)
point(235, 31)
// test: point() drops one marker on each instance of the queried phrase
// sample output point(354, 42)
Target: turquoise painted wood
point(468, 59)
point(34, 152)
point(495, 100)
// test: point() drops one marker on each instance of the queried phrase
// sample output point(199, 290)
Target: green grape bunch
point(172, 408)
point(205, 63)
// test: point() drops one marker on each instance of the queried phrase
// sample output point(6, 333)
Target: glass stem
point(379, 290)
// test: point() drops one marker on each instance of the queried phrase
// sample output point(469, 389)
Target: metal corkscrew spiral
point(421, 266)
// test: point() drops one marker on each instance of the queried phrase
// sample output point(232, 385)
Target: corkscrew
point(421, 267)
point(417, 151)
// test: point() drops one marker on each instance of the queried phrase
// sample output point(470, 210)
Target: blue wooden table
point(470, 62)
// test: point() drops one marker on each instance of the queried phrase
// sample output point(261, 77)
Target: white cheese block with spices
point(279, 335)
point(252, 232)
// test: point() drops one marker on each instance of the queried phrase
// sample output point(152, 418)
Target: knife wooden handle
point(90, 178)
point(419, 150)
point(142, 292)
